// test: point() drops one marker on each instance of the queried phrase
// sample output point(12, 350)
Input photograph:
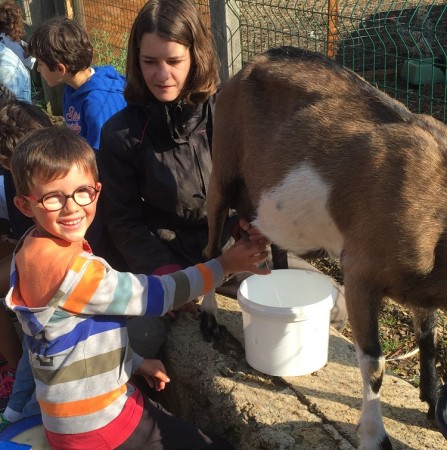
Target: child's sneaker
point(7, 377)
point(3, 423)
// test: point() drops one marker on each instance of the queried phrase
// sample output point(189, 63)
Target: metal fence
point(399, 46)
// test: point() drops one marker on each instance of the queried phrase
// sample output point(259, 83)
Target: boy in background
point(72, 307)
point(92, 95)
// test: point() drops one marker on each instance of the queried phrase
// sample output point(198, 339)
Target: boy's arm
point(93, 287)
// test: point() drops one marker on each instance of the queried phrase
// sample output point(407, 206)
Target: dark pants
point(160, 430)
point(148, 334)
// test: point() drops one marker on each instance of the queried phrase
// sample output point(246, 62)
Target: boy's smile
point(72, 221)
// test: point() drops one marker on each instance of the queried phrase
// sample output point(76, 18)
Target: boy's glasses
point(55, 201)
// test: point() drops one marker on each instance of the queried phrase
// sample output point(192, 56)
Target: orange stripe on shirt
point(78, 264)
point(81, 407)
point(207, 276)
point(86, 287)
point(16, 298)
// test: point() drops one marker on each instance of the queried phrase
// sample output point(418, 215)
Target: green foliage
point(105, 53)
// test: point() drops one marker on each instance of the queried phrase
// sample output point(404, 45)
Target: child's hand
point(154, 372)
point(244, 255)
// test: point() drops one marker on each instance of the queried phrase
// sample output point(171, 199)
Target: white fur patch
point(295, 216)
point(371, 430)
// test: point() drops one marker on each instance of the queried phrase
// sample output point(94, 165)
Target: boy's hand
point(154, 372)
point(244, 255)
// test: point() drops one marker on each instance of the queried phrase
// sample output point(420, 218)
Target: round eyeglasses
point(55, 201)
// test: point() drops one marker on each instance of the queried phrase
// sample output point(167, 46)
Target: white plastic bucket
point(286, 321)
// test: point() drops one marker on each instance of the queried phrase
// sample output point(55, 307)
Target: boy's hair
point(17, 118)
point(177, 21)
point(62, 41)
point(47, 154)
point(11, 22)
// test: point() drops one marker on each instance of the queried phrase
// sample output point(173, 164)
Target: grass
point(107, 54)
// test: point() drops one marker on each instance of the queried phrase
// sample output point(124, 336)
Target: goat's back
point(291, 114)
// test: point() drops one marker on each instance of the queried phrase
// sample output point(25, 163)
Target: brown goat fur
point(325, 160)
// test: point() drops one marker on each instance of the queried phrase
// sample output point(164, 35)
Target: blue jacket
point(88, 107)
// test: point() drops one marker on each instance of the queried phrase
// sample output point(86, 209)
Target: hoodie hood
point(105, 79)
point(87, 108)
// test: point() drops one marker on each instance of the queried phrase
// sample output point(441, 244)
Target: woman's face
point(165, 66)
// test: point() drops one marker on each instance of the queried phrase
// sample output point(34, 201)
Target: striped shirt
point(72, 307)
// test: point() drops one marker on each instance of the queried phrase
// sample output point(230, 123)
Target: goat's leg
point(217, 210)
point(363, 309)
point(425, 331)
point(208, 321)
point(279, 257)
point(441, 410)
point(217, 206)
point(430, 392)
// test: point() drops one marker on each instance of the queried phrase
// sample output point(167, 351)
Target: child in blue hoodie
point(92, 95)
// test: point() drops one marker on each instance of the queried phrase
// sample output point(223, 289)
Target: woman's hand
point(154, 372)
point(245, 255)
point(252, 233)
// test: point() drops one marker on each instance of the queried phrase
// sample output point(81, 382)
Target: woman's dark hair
point(62, 41)
point(177, 21)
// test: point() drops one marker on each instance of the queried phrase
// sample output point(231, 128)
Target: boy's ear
point(61, 69)
point(23, 206)
point(98, 186)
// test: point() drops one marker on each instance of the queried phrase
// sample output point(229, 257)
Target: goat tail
point(441, 410)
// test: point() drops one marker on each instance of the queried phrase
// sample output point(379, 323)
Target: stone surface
point(213, 386)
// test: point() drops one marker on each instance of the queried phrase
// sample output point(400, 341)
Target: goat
point(325, 160)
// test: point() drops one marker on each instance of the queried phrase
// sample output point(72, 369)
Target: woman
point(155, 154)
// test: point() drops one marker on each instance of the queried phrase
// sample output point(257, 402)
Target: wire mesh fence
point(397, 45)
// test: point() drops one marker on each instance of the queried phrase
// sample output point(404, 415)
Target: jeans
point(23, 397)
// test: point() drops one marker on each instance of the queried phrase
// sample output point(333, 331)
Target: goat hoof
point(209, 326)
point(386, 444)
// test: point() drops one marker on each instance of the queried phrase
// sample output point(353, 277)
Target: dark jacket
point(155, 163)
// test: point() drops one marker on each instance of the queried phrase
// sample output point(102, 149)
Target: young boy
point(92, 94)
point(73, 306)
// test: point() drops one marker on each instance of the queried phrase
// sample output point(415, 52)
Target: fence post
point(78, 12)
point(226, 31)
point(36, 12)
point(332, 31)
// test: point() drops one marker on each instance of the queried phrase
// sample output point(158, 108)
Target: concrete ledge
point(213, 386)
